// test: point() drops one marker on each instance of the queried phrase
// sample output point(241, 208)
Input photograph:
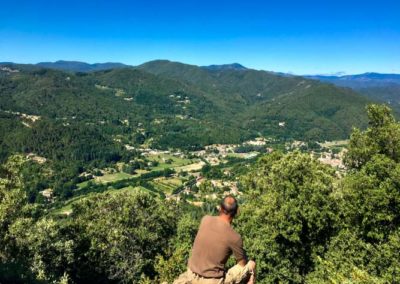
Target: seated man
point(215, 242)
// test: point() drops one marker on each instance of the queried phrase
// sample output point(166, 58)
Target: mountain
point(90, 116)
point(261, 100)
point(233, 66)
point(361, 80)
point(380, 87)
point(76, 66)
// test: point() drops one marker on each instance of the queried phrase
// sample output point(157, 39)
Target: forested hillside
point(181, 106)
point(82, 122)
point(301, 221)
point(309, 110)
point(147, 151)
point(380, 87)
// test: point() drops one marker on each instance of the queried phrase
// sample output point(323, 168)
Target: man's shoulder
point(236, 237)
point(207, 218)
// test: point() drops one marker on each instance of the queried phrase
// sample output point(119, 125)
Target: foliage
point(365, 249)
point(13, 206)
point(123, 233)
point(171, 266)
point(300, 221)
point(382, 137)
point(289, 216)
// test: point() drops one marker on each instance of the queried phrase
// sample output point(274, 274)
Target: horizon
point(337, 74)
point(301, 38)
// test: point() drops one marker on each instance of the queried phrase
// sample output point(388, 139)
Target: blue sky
point(301, 37)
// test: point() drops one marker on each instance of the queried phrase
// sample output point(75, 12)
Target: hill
point(77, 66)
point(233, 66)
point(380, 87)
point(164, 104)
point(360, 80)
point(262, 100)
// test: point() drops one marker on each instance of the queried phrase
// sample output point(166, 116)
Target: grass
point(166, 185)
point(328, 144)
point(67, 208)
point(83, 184)
point(126, 189)
point(192, 167)
point(107, 178)
point(176, 162)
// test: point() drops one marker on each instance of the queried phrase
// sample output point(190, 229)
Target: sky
point(299, 37)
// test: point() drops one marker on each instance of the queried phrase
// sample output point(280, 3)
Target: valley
point(113, 169)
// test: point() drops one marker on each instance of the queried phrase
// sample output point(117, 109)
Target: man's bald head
point(229, 206)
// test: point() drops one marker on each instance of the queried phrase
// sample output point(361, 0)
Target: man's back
point(214, 243)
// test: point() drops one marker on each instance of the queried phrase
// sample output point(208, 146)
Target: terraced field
point(170, 161)
point(166, 185)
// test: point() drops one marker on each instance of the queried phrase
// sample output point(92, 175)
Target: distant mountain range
point(77, 66)
point(233, 66)
point(360, 81)
point(233, 101)
point(376, 86)
point(179, 105)
point(381, 87)
point(370, 79)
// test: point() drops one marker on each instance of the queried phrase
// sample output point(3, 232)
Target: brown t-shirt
point(214, 243)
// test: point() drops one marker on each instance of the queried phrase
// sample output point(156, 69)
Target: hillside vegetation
point(380, 87)
point(175, 105)
point(260, 99)
point(301, 221)
point(82, 122)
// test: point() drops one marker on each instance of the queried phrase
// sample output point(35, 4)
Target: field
point(166, 185)
point(170, 161)
point(329, 144)
point(243, 155)
point(192, 167)
point(107, 178)
point(66, 209)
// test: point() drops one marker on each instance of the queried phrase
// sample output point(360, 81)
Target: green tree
point(366, 249)
point(120, 235)
point(289, 215)
point(175, 263)
point(381, 137)
point(372, 190)
point(13, 207)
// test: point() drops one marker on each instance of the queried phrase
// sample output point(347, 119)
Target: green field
point(67, 208)
point(107, 178)
point(83, 184)
point(336, 143)
point(175, 161)
point(166, 185)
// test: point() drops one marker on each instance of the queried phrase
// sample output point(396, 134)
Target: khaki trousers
point(236, 275)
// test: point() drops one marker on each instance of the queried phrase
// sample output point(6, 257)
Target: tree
point(372, 191)
point(289, 215)
point(381, 137)
point(366, 249)
point(13, 206)
point(169, 267)
point(121, 234)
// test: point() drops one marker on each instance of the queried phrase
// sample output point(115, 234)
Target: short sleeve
point(237, 249)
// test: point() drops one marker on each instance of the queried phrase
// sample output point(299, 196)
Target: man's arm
point(239, 252)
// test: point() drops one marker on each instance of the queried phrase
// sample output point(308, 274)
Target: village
point(195, 176)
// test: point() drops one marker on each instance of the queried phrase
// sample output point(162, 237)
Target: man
point(215, 242)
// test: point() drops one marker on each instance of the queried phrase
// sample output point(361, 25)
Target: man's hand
point(252, 268)
point(242, 262)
